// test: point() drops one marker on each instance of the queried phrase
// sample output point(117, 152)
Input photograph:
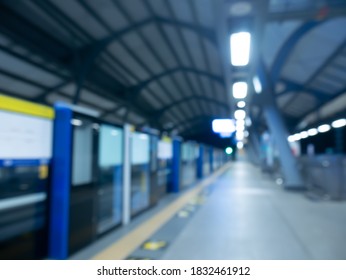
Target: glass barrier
point(140, 172)
point(110, 166)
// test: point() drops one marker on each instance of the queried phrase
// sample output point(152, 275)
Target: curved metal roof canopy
point(163, 63)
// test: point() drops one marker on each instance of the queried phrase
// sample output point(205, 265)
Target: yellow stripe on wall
point(25, 107)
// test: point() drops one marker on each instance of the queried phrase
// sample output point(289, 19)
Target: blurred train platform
point(240, 213)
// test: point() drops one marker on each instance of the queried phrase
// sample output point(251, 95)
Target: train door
point(110, 173)
point(82, 218)
point(140, 172)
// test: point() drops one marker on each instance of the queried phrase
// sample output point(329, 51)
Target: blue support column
point(211, 159)
point(293, 178)
point(200, 162)
point(278, 130)
point(60, 184)
point(255, 147)
point(176, 166)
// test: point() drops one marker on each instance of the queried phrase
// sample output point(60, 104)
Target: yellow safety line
point(25, 107)
point(127, 244)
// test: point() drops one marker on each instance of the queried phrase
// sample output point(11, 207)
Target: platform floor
point(244, 216)
point(248, 216)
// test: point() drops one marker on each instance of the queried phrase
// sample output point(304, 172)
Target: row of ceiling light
point(240, 44)
point(314, 131)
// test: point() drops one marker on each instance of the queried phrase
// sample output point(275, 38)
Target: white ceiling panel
point(284, 98)
point(26, 70)
point(176, 44)
point(160, 8)
point(113, 119)
point(151, 99)
point(128, 61)
point(121, 112)
point(69, 89)
point(182, 10)
point(21, 88)
point(207, 86)
point(121, 78)
point(195, 108)
point(194, 82)
point(220, 92)
point(168, 82)
point(335, 85)
point(93, 98)
point(29, 10)
point(205, 12)
point(275, 35)
point(300, 105)
point(135, 119)
point(195, 49)
point(116, 69)
point(137, 45)
point(313, 50)
point(52, 98)
point(136, 9)
point(340, 75)
point(179, 76)
point(333, 107)
point(214, 58)
point(97, 110)
point(159, 92)
point(78, 14)
point(160, 47)
point(325, 86)
point(109, 13)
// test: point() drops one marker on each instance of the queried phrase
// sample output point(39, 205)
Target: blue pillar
point(60, 184)
point(293, 178)
point(176, 166)
point(211, 159)
point(200, 162)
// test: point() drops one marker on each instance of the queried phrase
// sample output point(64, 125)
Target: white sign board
point(25, 137)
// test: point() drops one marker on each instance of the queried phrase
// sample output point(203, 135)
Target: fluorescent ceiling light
point(240, 145)
point(291, 138)
point(304, 135)
point(239, 90)
point(239, 135)
point(257, 84)
point(240, 123)
point(240, 127)
point(240, 48)
point(339, 123)
point(296, 137)
point(312, 131)
point(241, 104)
point(239, 114)
point(323, 128)
point(223, 126)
